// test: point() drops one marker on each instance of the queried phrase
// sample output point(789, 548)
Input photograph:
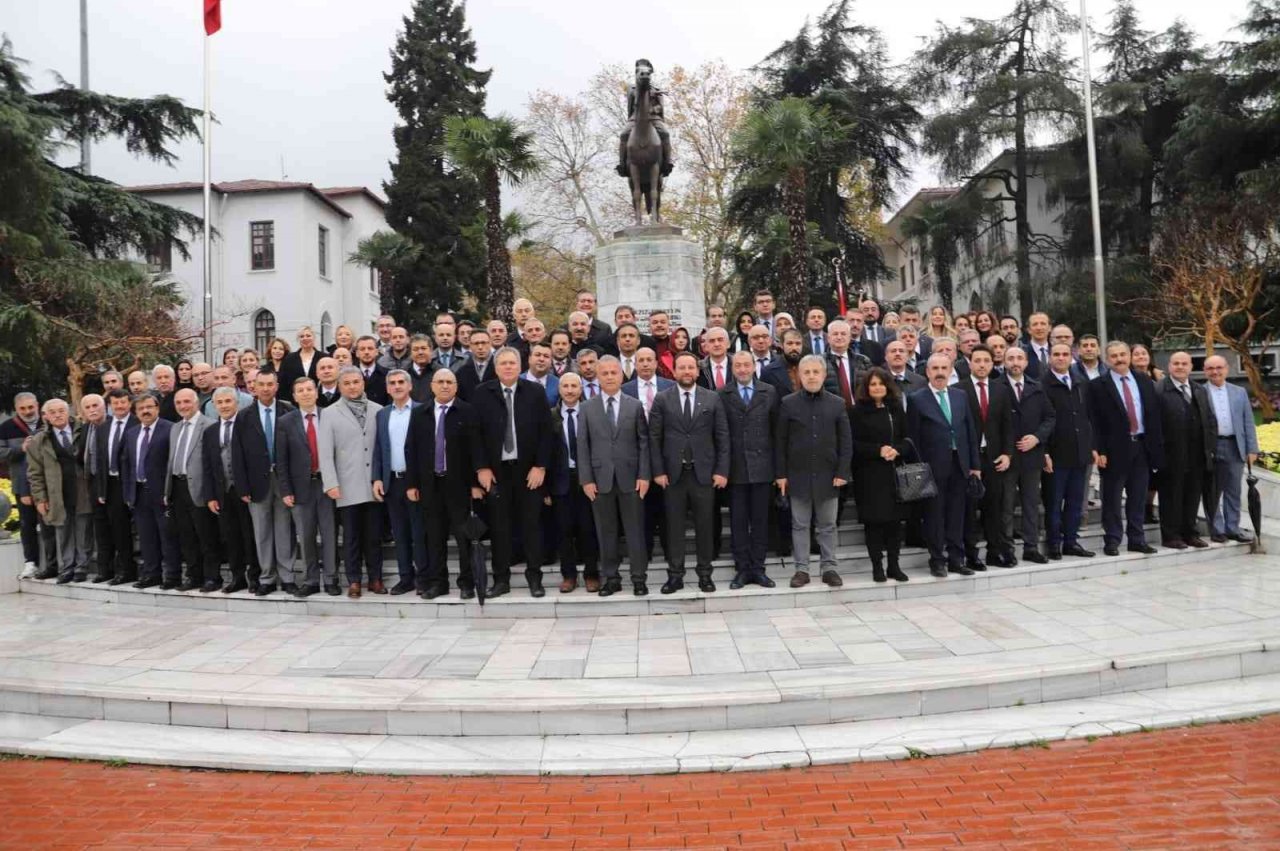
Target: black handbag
point(913, 482)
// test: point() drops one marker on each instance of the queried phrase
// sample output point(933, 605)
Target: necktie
point(509, 437)
point(982, 399)
point(1017, 390)
point(944, 403)
point(817, 344)
point(688, 407)
point(592, 391)
point(1044, 355)
point(226, 433)
point(312, 443)
point(367, 373)
point(90, 449)
point(66, 438)
point(1186, 393)
point(627, 368)
point(440, 456)
point(1066, 379)
point(846, 390)
point(180, 457)
point(1129, 407)
point(573, 436)
point(746, 394)
point(114, 452)
point(648, 397)
point(613, 414)
point(719, 375)
point(446, 359)
point(759, 367)
point(269, 430)
point(140, 472)
point(857, 347)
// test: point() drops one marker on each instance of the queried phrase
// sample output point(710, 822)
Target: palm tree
point(491, 150)
point(780, 142)
point(393, 255)
point(943, 227)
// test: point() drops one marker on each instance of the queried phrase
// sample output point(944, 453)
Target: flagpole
point(84, 78)
point(1099, 266)
point(208, 246)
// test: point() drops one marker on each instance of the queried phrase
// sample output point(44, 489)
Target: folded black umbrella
point(1255, 510)
point(975, 488)
point(474, 528)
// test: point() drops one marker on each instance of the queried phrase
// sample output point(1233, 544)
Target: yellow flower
point(10, 522)
point(1269, 445)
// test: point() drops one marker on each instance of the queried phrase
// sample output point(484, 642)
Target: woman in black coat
point(879, 436)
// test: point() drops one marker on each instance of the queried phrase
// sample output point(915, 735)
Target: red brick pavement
point(1206, 787)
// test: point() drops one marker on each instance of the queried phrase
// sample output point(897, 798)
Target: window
point(374, 283)
point(160, 257)
point(262, 245)
point(264, 330)
point(326, 330)
point(324, 251)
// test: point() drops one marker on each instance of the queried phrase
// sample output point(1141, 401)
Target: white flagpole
point(208, 207)
point(1099, 272)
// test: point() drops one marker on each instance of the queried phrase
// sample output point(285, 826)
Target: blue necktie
point(746, 394)
point(140, 471)
point(270, 431)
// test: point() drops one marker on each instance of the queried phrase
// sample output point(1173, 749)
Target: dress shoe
point(610, 587)
point(47, 573)
point(705, 585)
point(189, 585)
point(168, 585)
point(763, 581)
point(961, 569)
point(333, 589)
point(1242, 537)
point(354, 591)
point(832, 579)
point(210, 586)
point(672, 585)
point(103, 577)
point(305, 591)
point(264, 590)
point(1055, 553)
point(1218, 539)
point(253, 586)
point(376, 587)
point(120, 580)
point(401, 588)
point(1034, 556)
point(80, 577)
point(877, 573)
point(640, 589)
point(736, 582)
point(895, 573)
point(593, 584)
point(1145, 549)
point(975, 564)
point(568, 586)
point(498, 589)
point(1080, 552)
point(467, 593)
point(234, 586)
point(536, 589)
point(1198, 543)
point(146, 583)
point(938, 569)
point(289, 588)
point(800, 579)
point(1111, 549)
point(1173, 544)
point(66, 579)
point(433, 591)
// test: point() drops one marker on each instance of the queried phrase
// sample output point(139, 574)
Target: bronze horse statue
point(644, 150)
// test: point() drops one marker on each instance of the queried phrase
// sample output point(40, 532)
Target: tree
point(432, 78)
point(394, 256)
point(492, 150)
point(62, 234)
point(780, 141)
point(995, 84)
point(574, 148)
point(943, 227)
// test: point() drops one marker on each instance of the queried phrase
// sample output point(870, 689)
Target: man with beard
point(783, 373)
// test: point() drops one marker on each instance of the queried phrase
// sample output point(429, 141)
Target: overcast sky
point(298, 89)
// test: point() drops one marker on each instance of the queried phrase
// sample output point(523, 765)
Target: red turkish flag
point(212, 16)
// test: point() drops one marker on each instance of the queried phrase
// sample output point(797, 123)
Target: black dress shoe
point(706, 585)
point(189, 585)
point(401, 588)
point(167, 585)
point(80, 577)
point(938, 569)
point(1035, 556)
point(1080, 552)
point(1055, 554)
point(536, 589)
point(763, 581)
point(672, 585)
point(47, 573)
point(433, 592)
point(289, 588)
point(1218, 539)
point(333, 590)
point(305, 591)
point(210, 586)
point(146, 583)
point(103, 577)
point(253, 586)
point(640, 589)
point(1145, 549)
point(499, 589)
point(1111, 549)
point(896, 574)
point(975, 564)
point(66, 579)
point(120, 580)
point(610, 587)
point(961, 569)
point(1010, 560)
point(264, 590)
point(736, 582)
point(234, 586)
point(467, 593)
point(1173, 544)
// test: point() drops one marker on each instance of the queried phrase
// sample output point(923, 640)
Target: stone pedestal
point(652, 268)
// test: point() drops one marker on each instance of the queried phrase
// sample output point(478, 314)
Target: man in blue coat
point(144, 464)
point(390, 466)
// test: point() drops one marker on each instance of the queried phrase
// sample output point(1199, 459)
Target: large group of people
point(588, 443)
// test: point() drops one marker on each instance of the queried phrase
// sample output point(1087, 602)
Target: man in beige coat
point(60, 494)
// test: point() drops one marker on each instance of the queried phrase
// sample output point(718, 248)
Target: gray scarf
point(358, 407)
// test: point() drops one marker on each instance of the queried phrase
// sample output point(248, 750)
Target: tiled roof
point(340, 191)
point(233, 187)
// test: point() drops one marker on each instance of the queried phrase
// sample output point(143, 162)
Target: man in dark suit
point(517, 434)
point(942, 430)
point(1129, 439)
point(235, 528)
point(845, 366)
point(113, 524)
point(601, 335)
point(575, 527)
point(194, 527)
point(421, 368)
point(444, 451)
point(991, 406)
point(812, 458)
point(327, 391)
point(872, 330)
point(390, 468)
point(858, 344)
point(918, 348)
point(715, 371)
point(1070, 455)
point(751, 408)
point(253, 456)
point(144, 464)
point(783, 374)
point(477, 367)
point(1190, 431)
point(1033, 424)
point(1038, 344)
point(645, 387)
point(689, 458)
point(375, 377)
point(814, 335)
point(302, 492)
point(895, 360)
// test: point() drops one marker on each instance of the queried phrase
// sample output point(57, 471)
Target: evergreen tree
point(432, 78)
point(994, 84)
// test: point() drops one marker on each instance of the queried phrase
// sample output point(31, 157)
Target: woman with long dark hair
point(879, 436)
point(746, 319)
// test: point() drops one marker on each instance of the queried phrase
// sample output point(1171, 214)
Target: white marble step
point(855, 571)
point(745, 749)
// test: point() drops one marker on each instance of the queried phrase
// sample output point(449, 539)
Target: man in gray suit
point(1237, 442)
point(348, 432)
point(813, 453)
point(303, 491)
point(613, 468)
point(253, 457)
point(689, 458)
point(195, 524)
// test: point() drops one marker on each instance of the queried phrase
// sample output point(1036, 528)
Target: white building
point(279, 259)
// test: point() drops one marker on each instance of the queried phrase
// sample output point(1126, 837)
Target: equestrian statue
point(644, 148)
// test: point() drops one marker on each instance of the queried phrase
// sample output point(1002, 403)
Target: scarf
point(358, 407)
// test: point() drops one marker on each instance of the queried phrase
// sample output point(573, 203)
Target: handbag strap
point(915, 450)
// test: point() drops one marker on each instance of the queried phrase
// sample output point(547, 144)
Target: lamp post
point(1099, 272)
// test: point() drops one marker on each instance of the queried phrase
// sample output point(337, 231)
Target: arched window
point(326, 330)
point(264, 329)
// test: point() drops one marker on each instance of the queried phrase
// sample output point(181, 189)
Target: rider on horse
point(655, 116)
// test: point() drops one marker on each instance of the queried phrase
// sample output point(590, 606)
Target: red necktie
point(719, 375)
point(1129, 407)
point(982, 399)
point(312, 444)
point(844, 383)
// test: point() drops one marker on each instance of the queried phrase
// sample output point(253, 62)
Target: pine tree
point(433, 77)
